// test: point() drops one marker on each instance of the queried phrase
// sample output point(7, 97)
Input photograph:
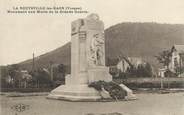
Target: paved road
point(147, 104)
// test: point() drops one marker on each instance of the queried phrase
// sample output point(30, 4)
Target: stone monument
point(87, 61)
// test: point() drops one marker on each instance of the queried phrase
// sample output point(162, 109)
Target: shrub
point(169, 73)
point(115, 91)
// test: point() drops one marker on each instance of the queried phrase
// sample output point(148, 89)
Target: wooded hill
point(131, 39)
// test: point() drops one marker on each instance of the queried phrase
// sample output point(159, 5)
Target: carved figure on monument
point(97, 52)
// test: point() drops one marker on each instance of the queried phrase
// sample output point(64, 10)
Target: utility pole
point(33, 70)
point(33, 64)
point(161, 84)
point(51, 71)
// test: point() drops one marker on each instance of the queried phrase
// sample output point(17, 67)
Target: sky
point(23, 34)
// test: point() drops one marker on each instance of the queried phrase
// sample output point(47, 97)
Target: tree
point(14, 72)
point(179, 70)
point(148, 70)
point(13, 69)
point(43, 77)
point(131, 71)
point(140, 71)
point(62, 68)
point(169, 73)
point(3, 76)
point(61, 72)
point(40, 78)
point(164, 58)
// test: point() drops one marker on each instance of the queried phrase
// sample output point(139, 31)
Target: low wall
point(152, 82)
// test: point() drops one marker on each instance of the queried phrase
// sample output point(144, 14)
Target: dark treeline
point(13, 76)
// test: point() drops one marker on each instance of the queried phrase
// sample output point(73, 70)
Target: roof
point(132, 60)
point(179, 48)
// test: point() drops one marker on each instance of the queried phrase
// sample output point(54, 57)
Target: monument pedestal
point(75, 93)
point(99, 73)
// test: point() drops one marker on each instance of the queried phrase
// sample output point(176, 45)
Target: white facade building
point(177, 58)
point(123, 65)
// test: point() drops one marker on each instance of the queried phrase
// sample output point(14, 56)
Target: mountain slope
point(61, 55)
point(131, 39)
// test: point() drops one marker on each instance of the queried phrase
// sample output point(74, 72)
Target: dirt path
point(147, 104)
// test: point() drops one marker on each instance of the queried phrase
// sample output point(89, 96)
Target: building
point(126, 63)
point(161, 72)
point(122, 64)
point(177, 59)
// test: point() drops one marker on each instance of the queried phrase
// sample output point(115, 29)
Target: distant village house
point(176, 64)
point(122, 65)
point(177, 59)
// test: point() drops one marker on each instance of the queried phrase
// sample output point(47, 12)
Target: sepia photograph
point(91, 57)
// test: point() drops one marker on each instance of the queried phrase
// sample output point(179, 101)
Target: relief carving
point(97, 49)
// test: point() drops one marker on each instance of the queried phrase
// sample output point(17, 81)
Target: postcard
point(91, 57)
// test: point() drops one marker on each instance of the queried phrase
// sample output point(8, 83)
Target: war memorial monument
point(87, 61)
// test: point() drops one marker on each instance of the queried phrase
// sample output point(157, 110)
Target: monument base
point(100, 73)
point(75, 93)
